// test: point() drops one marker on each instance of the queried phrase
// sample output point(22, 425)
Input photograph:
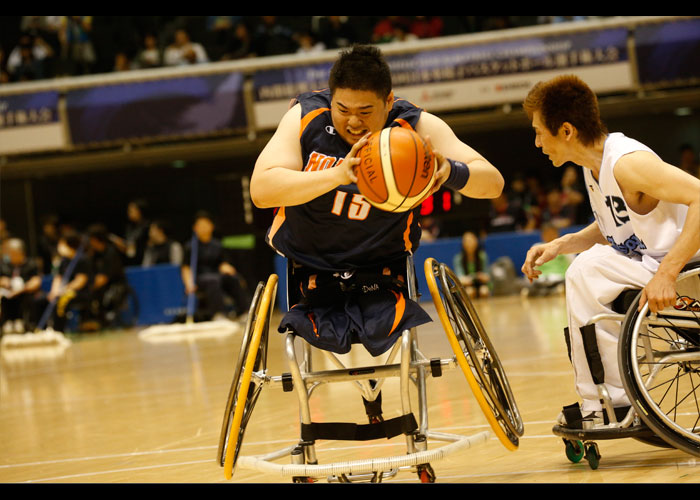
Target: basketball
point(396, 170)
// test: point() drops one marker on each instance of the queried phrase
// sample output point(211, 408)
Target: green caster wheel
point(574, 450)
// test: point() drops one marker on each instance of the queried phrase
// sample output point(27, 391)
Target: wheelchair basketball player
point(647, 215)
point(347, 258)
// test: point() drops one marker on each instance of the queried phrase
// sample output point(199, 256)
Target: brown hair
point(567, 98)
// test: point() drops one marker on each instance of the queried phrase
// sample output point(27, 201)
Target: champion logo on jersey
point(330, 129)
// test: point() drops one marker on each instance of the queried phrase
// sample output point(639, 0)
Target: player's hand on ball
point(351, 161)
point(660, 293)
point(536, 256)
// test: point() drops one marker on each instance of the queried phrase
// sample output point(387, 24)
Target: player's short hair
point(362, 67)
point(72, 239)
point(567, 98)
point(98, 232)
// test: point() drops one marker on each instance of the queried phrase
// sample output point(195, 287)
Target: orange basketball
point(396, 170)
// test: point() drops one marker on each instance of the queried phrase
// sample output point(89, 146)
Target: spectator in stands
point(183, 51)
point(336, 31)
point(75, 293)
point(149, 56)
point(19, 283)
point(135, 239)
point(573, 195)
point(4, 232)
point(472, 267)
point(48, 243)
point(523, 201)
point(308, 43)
point(27, 59)
point(161, 249)
point(109, 285)
point(556, 212)
point(77, 50)
point(505, 216)
point(215, 278)
point(239, 44)
point(272, 38)
point(392, 29)
point(689, 160)
point(430, 229)
point(427, 26)
point(122, 62)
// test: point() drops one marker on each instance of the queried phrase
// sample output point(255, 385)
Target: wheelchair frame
point(412, 367)
point(645, 420)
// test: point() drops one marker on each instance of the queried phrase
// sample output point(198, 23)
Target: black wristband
point(459, 175)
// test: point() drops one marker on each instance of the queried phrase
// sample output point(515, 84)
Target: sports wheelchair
point(473, 353)
point(659, 360)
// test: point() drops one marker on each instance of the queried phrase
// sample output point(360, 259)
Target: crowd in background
point(38, 47)
point(87, 272)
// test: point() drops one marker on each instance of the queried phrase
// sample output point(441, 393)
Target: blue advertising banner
point(24, 110)
point(157, 109)
point(465, 76)
point(30, 122)
point(668, 52)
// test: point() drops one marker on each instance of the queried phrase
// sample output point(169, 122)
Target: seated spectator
point(523, 201)
point(214, 278)
point(161, 249)
point(74, 269)
point(472, 267)
point(573, 195)
point(109, 285)
point(272, 38)
point(48, 242)
point(504, 216)
point(122, 62)
point(183, 51)
point(27, 60)
point(308, 43)
point(552, 278)
point(336, 31)
point(392, 29)
point(19, 283)
point(427, 26)
point(133, 245)
point(689, 160)
point(149, 56)
point(556, 212)
point(237, 43)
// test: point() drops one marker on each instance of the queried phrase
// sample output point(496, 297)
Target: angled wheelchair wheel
point(245, 390)
point(659, 357)
point(475, 353)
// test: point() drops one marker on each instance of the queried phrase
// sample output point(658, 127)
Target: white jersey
point(646, 237)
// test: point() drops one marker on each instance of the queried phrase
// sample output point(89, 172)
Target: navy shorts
point(335, 312)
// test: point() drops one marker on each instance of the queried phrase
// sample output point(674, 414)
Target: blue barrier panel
point(159, 291)
point(512, 245)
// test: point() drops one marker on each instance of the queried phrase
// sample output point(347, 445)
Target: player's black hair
point(203, 214)
point(98, 232)
point(362, 67)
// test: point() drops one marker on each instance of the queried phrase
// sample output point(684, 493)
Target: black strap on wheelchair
point(405, 424)
point(590, 347)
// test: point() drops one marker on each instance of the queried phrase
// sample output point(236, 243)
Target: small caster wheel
point(592, 455)
point(574, 450)
point(303, 479)
point(426, 474)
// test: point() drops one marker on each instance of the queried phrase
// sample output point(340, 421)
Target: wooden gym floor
point(114, 409)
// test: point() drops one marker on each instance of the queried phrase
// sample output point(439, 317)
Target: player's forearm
point(282, 187)
point(485, 181)
point(581, 240)
point(687, 244)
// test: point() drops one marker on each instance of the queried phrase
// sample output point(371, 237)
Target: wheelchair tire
point(665, 392)
point(252, 357)
point(475, 353)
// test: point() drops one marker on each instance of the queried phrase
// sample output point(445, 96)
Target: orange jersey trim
point(400, 308)
point(309, 118)
point(407, 233)
point(403, 123)
point(277, 223)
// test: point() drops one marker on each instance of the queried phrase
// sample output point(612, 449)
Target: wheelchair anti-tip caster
point(426, 474)
point(592, 454)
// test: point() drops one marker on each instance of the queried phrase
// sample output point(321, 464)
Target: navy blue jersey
point(340, 230)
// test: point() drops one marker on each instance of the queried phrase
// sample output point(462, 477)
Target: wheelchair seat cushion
point(337, 311)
